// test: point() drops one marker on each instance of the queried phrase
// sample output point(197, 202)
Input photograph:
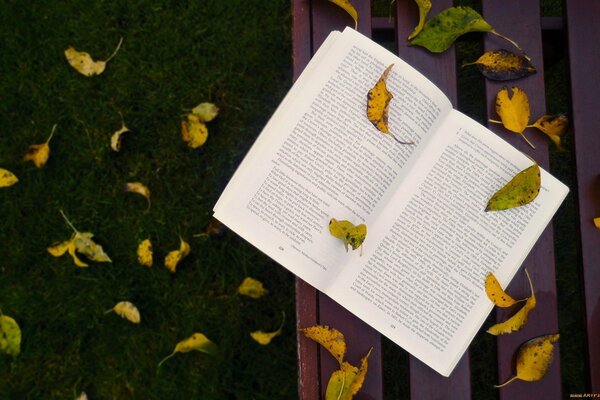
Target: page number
point(281, 248)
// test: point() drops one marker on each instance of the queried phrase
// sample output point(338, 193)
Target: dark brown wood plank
point(520, 20)
point(584, 60)
point(425, 383)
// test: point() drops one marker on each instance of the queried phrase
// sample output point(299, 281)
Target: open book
point(429, 245)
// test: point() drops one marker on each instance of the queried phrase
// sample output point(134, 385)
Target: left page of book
point(319, 157)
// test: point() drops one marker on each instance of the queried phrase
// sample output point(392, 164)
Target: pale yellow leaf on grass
point(117, 137)
point(85, 64)
point(252, 288)
point(517, 321)
point(7, 178)
point(144, 253)
point(86, 246)
point(82, 396)
point(264, 338)
point(39, 153)
point(174, 257)
point(330, 338)
point(206, 111)
point(10, 336)
point(139, 188)
point(198, 341)
point(127, 310)
point(193, 131)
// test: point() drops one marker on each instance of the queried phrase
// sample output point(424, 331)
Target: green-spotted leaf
point(520, 190)
point(503, 65)
point(10, 336)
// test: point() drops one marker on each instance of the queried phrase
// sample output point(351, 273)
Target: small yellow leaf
point(362, 373)
point(517, 321)
point(206, 112)
point(73, 255)
point(174, 257)
point(349, 8)
point(554, 126)
point(424, 7)
point(115, 139)
point(84, 63)
point(82, 396)
point(59, 249)
point(139, 188)
point(495, 292)
point(85, 245)
point(10, 336)
point(340, 383)
point(193, 131)
point(7, 178)
point(127, 310)
point(534, 359)
point(514, 111)
point(264, 338)
point(350, 234)
point(144, 253)
point(198, 342)
point(597, 222)
point(378, 102)
point(39, 153)
point(252, 288)
point(522, 189)
point(330, 338)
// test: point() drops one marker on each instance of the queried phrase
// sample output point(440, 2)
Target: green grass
point(174, 56)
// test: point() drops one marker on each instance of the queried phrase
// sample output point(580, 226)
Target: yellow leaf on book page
point(330, 338)
point(198, 342)
point(85, 64)
point(347, 232)
point(517, 321)
point(349, 8)
point(39, 153)
point(522, 189)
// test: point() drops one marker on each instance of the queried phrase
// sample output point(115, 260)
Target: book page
point(319, 157)
point(421, 281)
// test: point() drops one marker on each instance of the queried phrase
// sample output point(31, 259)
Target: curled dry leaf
point(517, 321)
point(7, 178)
point(252, 288)
point(117, 136)
point(522, 189)
point(174, 257)
point(496, 294)
point(144, 253)
point(503, 65)
point(139, 188)
point(264, 338)
point(554, 126)
point(10, 336)
point(349, 8)
point(330, 338)
point(206, 111)
point(534, 359)
point(39, 153)
point(193, 131)
point(85, 64)
point(198, 342)
point(424, 8)
point(514, 111)
point(127, 310)
point(350, 234)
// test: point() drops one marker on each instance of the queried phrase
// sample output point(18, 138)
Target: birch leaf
point(39, 153)
point(10, 336)
point(252, 288)
point(85, 64)
point(340, 382)
point(206, 112)
point(330, 338)
point(350, 234)
point(362, 373)
point(174, 257)
point(198, 342)
point(193, 131)
point(517, 321)
point(554, 126)
point(117, 137)
point(264, 338)
point(349, 8)
point(503, 65)
point(514, 111)
point(127, 310)
point(496, 294)
point(7, 178)
point(144, 253)
point(534, 359)
point(522, 189)
point(139, 188)
point(424, 8)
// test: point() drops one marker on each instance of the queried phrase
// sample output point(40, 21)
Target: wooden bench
point(521, 20)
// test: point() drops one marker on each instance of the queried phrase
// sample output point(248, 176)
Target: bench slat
point(584, 57)
point(520, 20)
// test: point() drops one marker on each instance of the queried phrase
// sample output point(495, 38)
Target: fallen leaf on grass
point(117, 136)
point(174, 257)
point(554, 126)
point(252, 288)
point(534, 359)
point(84, 63)
point(206, 111)
point(517, 321)
point(349, 8)
point(350, 234)
point(330, 338)
point(496, 294)
point(264, 338)
point(503, 65)
point(126, 310)
point(144, 253)
point(39, 153)
point(215, 228)
point(139, 188)
point(82, 396)
point(424, 8)
point(198, 342)
point(10, 336)
point(522, 189)
point(193, 131)
point(7, 178)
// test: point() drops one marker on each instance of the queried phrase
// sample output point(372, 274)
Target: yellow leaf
point(73, 255)
point(534, 359)
point(82, 396)
point(144, 253)
point(10, 336)
point(128, 311)
point(115, 139)
point(554, 126)
point(340, 382)
point(378, 102)
point(503, 65)
point(84, 63)
point(59, 249)
point(206, 112)
point(350, 234)
point(39, 153)
point(139, 188)
point(424, 7)
point(496, 294)
point(193, 131)
point(264, 338)
point(198, 342)
point(252, 288)
point(362, 373)
point(7, 178)
point(514, 111)
point(597, 222)
point(517, 321)
point(349, 8)
point(85, 245)
point(330, 338)
point(175, 256)
point(522, 189)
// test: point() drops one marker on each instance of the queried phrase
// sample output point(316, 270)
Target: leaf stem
point(494, 121)
point(511, 42)
point(507, 382)
point(68, 222)
point(116, 50)
point(107, 311)
point(529, 279)
point(399, 141)
point(51, 133)
point(165, 359)
point(527, 140)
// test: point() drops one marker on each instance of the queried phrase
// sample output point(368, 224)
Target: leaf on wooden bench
point(84, 64)
point(534, 359)
point(330, 338)
point(522, 189)
point(496, 294)
point(514, 111)
point(554, 126)
point(349, 8)
point(597, 222)
point(503, 65)
point(7, 178)
point(517, 321)
point(345, 383)
point(347, 232)
point(424, 8)
point(39, 153)
point(10, 336)
point(198, 342)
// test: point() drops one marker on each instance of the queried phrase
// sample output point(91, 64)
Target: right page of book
point(421, 278)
